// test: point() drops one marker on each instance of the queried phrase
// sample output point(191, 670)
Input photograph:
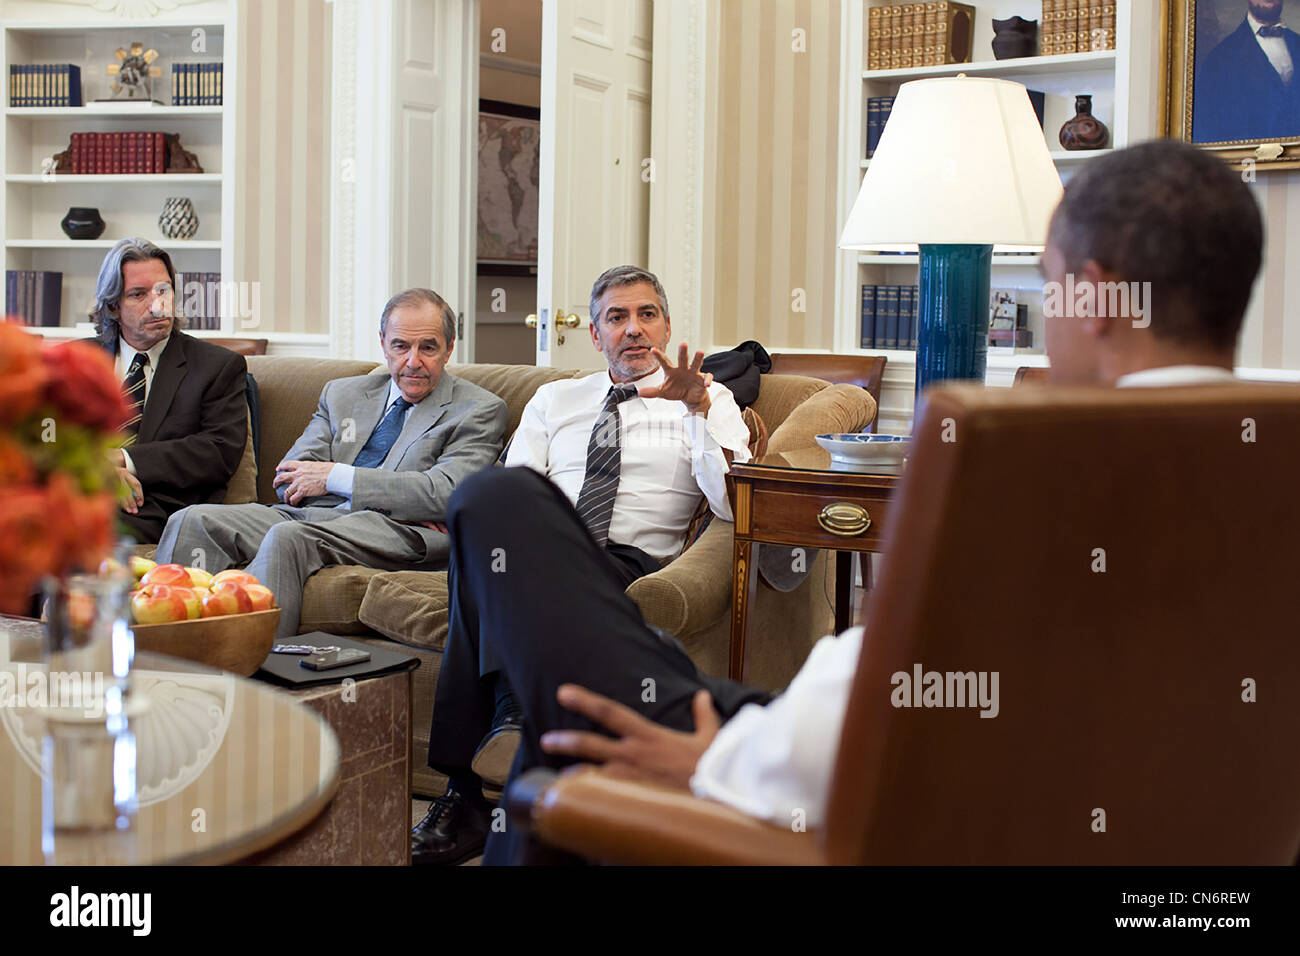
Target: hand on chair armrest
point(695, 590)
point(598, 816)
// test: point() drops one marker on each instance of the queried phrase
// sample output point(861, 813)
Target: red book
point(101, 153)
point(160, 152)
point(128, 157)
point(76, 153)
point(137, 153)
point(117, 166)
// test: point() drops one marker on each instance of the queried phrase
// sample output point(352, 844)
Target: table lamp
point(962, 167)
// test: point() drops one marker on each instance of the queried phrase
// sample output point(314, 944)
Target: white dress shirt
point(339, 480)
point(669, 455)
point(771, 761)
point(1274, 48)
point(122, 365)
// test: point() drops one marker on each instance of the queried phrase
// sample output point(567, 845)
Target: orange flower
point(22, 373)
point(28, 551)
point(15, 466)
point(82, 386)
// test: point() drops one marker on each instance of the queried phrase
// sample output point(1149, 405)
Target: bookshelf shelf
point(172, 245)
point(95, 112)
point(32, 204)
point(68, 179)
point(1098, 61)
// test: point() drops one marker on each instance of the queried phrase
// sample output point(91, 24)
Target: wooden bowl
point(233, 642)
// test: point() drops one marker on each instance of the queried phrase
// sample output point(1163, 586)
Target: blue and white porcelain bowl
point(865, 449)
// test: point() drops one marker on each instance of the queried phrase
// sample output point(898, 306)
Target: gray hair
point(621, 276)
point(108, 287)
point(420, 297)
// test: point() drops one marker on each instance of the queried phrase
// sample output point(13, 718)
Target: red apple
point(233, 574)
point(172, 574)
point(227, 597)
point(161, 604)
point(261, 596)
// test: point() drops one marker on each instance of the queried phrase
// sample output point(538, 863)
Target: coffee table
point(801, 498)
point(226, 767)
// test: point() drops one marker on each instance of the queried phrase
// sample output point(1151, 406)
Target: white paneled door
point(595, 166)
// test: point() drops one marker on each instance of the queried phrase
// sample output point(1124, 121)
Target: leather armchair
point(1122, 683)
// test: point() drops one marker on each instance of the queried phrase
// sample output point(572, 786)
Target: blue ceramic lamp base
point(952, 333)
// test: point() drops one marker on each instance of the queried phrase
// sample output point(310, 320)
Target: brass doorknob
point(844, 519)
point(570, 321)
point(531, 321)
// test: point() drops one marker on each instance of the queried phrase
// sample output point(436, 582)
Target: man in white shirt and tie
point(1163, 213)
point(608, 470)
point(1245, 87)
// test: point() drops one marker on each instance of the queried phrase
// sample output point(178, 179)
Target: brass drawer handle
point(844, 519)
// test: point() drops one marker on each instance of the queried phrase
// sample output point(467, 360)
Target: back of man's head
point(1177, 217)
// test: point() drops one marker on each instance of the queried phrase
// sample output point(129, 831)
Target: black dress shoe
point(496, 752)
point(454, 830)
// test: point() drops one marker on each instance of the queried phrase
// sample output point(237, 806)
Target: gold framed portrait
point(1230, 79)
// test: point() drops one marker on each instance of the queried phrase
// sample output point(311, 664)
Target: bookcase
point(34, 199)
point(1122, 90)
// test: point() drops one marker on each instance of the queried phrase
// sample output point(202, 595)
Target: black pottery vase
point(1083, 130)
point(1014, 37)
point(82, 223)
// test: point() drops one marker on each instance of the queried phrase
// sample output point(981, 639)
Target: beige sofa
point(691, 598)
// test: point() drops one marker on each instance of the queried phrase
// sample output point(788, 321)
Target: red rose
point(82, 386)
point(22, 373)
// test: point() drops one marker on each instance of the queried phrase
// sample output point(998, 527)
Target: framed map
point(509, 139)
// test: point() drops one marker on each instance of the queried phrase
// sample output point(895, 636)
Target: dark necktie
point(604, 460)
point(381, 440)
point(1274, 31)
point(133, 389)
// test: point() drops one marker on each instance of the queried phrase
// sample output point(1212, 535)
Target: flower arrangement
point(61, 410)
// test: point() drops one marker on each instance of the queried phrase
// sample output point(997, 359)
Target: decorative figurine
point(133, 72)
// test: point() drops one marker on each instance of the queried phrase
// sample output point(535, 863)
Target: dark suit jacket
point(1238, 95)
point(192, 433)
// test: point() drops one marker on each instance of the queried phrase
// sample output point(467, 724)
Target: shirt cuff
point(708, 434)
point(339, 480)
point(129, 464)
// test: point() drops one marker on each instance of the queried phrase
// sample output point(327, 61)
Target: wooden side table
point(795, 499)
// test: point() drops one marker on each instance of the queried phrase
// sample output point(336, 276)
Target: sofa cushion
point(836, 408)
point(779, 395)
point(513, 384)
point(408, 606)
point(242, 487)
point(332, 597)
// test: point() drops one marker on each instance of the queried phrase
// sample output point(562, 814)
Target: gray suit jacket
point(457, 429)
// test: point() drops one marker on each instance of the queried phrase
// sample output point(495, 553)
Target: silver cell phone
point(331, 659)
point(293, 649)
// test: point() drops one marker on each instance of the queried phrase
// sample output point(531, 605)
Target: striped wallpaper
point(283, 186)
point(1271, 337)
point(774, 226)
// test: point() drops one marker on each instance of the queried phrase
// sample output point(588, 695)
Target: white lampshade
point(961, 160)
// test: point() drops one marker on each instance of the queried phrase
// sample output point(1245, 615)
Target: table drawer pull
point(844, 519)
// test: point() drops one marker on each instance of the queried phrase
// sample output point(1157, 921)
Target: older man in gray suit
point(369, 476)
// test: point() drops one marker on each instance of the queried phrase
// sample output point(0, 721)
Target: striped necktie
point(604, 460)
point(133, 389)
point(382, 439)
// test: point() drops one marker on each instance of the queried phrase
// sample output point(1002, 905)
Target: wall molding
point(508, 64)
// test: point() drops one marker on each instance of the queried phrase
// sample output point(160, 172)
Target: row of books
point(878, 110)
point(889, 316)
point(1077, 26)
point(119, 153)
point(919, 34)
point(34, 298)
point(197, 84)
point(198, 299)
point(45, 84)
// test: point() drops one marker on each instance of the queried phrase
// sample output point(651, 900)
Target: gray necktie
point(604, 460)
point(133, 389)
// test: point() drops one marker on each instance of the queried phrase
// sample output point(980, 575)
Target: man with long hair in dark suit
point(1246, 86)
point(191, 421)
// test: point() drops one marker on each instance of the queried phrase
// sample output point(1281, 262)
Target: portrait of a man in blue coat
point(1247, 86)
